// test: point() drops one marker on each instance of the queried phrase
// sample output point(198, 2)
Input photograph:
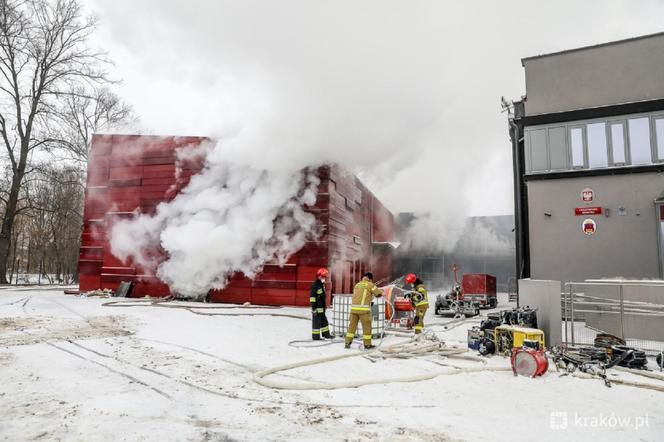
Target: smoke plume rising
point(405, 94)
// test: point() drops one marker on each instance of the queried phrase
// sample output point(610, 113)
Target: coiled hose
point(421, 345)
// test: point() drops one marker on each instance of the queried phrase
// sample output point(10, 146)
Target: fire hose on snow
point(419, 346)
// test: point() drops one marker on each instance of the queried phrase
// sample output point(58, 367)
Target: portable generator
point(506, 337)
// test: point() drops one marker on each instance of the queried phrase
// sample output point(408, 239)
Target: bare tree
point(44, 57)
point(86, 112)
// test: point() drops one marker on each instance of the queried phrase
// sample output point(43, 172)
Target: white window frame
point(654, 136)
point(568, 159)
point(606, 145)
point(609, 137)
point(584, 148)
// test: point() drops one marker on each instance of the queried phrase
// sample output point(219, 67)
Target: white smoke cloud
point(231, 218)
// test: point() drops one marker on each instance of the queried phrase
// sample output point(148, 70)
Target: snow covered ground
point(73, 369)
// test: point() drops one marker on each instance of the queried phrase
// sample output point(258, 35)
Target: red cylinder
point(529, 362)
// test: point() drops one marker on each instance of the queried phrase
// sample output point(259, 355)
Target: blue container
point(474, 338)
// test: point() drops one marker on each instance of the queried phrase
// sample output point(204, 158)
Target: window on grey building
point(659, 136)
point(576, 142)
point(618, 143)
point(557, 148)
point(538, 154)
point(639, 140)
point(598, 155)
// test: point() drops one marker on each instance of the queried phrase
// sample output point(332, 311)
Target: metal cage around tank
point(341, 313)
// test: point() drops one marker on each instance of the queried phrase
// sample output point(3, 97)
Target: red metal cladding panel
point(149, 286)
point(96, 194)
point(111, 261)
point(269, 296)
point(236, 295)
point(89, 240)
point(90, 212)
point(125, 183)
point(258, 283)
point(88, 283)
point(307, 273)
point(119, 270)
point(161, 188)
point(158, 181)
point(108, 278)
point(125, 172)
point(302, 299)
point(239, 281)
point(89, 267)
point(91, 253)
point(159, 171)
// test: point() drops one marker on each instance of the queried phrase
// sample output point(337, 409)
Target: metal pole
point(622, 313)
point(565, 310)
point(571, 300)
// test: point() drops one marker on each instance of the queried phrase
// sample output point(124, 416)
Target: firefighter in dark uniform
point(319, 326)
point(419, 298)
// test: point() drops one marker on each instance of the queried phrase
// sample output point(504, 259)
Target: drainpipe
point(515, 132)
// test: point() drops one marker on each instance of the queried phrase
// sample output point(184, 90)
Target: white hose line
point(259, 377)
point(409, 349)
point(646, 374)
point(622, 382)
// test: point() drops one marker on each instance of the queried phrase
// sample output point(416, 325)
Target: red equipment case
point(479, 287)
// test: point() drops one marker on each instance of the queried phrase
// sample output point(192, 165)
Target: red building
point(133, 174)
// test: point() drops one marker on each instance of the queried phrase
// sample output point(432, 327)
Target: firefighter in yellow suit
point(419, 298)
point(360, 309)
point(421, 305)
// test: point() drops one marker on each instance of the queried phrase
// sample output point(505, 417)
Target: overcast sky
point(405, 93)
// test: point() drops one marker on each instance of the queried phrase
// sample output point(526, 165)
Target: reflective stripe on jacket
point(363, 294)
point(317, 295)
point(425, 296)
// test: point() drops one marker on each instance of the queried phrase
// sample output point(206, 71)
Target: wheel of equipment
point(486, 347)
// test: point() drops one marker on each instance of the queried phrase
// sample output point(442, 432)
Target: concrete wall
point(545, 296)
point(622, 246)
point(611, 74)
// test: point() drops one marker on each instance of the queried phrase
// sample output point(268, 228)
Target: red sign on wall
point(583, 211)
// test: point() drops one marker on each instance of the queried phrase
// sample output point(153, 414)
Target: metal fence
point(631, 310)
point(341, 311)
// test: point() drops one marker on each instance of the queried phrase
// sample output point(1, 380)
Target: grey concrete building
point(588, 152)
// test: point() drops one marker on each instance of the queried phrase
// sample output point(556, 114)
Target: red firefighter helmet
point(410, 278)
point(322, 273)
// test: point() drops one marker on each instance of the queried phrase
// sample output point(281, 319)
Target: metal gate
point(631, 310)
